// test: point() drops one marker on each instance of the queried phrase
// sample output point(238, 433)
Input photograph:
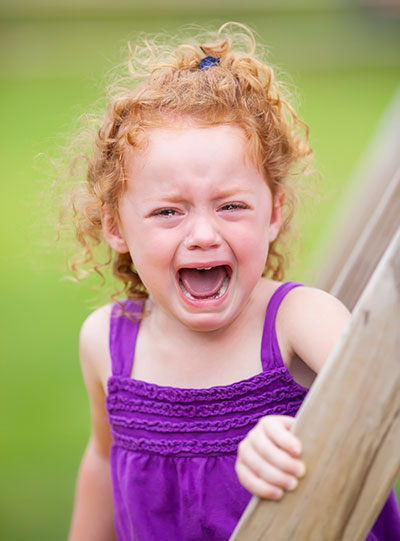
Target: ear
point(276, 215)
point(112, 232)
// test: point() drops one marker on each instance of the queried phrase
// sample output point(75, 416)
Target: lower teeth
point(219, 293)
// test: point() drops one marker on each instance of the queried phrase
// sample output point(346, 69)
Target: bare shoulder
point(309, 301)
point(309, 323)
point(96, 368)
point(93, 346)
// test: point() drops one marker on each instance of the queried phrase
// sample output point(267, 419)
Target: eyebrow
point(223, 194)
point(168, 198)
point(232, 191)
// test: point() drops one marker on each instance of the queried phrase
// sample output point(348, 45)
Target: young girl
point(195, 377)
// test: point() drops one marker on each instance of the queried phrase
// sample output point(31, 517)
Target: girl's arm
point(93, 516)
point(309, 323)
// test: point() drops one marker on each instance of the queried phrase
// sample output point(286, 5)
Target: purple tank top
point(174, 450)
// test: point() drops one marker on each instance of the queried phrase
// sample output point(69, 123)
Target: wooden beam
point(373, 240)
point(350, 428)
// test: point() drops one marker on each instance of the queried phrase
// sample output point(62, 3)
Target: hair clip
point(207, 62)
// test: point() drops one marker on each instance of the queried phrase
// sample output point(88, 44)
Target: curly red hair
point(239, 90)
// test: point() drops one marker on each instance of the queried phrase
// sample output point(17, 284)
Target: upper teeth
point(205, 268)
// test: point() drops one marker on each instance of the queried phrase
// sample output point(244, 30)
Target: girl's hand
point(267, 463)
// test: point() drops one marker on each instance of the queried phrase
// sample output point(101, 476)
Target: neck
point(161, 323)
point(169, 353)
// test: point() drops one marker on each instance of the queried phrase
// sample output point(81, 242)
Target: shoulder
point(303, 302)
point(309, 323)
point(94, 346)
point(96, 368)
point(98, 320)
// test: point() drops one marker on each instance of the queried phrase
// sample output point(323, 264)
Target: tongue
point(203, 283)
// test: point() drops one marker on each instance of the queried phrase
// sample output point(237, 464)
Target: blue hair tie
point(207, 62)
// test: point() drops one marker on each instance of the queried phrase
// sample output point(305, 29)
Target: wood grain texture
point(350, 428)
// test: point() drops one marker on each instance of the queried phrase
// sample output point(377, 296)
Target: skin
point(207, 205)
point(194, 199)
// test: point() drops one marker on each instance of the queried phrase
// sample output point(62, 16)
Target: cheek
point(152, 254)
point(252, 237)
point(252, 244)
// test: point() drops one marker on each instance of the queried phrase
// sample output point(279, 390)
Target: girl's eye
point(166, 212)
point(233, 206)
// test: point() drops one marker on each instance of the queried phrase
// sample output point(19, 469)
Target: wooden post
point(372, 242)
point(350, 428)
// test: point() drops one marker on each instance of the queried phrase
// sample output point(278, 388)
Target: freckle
point(366, 317)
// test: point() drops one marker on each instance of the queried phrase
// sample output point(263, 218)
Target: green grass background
point(345, 65)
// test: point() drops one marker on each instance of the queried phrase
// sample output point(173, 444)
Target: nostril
point(203, 235)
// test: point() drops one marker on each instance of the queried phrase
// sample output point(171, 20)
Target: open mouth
point(204, 283)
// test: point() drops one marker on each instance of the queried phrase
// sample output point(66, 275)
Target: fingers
point(268, 462)
point(262, 478)
point(277, 429)
point(267, 451)
point(277, 432)
point(256, 485)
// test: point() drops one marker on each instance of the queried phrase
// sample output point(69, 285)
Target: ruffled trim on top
point(156, 419)
point(174, 394)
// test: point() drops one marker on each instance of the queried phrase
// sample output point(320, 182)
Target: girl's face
point(197, 217)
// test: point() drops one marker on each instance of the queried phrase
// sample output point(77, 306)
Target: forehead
point(192, 162)
point(189, 144)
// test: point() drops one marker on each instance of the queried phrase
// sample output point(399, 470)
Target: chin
point(205, 322)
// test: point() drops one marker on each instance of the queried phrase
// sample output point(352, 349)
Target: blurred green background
point(343, 58)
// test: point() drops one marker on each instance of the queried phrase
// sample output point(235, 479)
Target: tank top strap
point(123, 334)
point(270, 353)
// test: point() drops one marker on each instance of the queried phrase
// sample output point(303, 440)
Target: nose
point(202, 234)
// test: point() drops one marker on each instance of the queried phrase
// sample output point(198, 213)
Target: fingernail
point(278, 494)
point(301, 470)
point(292, 484)
point(296, 451)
